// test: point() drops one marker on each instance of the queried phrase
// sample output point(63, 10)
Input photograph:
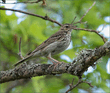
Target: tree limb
point(43, 17)
point(79, 65)
point(90, 30)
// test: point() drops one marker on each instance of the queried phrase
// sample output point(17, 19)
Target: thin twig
point(72, 87)
point(20, 49)
point(85, 13)
point(20, 45)
point(103, 27)
point(72, 81)
point(26, 2)
point(88, 83)
point(73, 20)
point(79, 82)
point(45, 17)
point(90, 30)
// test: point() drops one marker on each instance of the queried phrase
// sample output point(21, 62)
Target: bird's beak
point(72, 26)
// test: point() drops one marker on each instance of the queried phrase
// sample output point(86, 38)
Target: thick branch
point(45, 17)
point(80, 64)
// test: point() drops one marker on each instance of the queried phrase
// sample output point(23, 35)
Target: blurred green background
point(34, 31)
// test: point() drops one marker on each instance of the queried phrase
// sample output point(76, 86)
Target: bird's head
point(67, 27)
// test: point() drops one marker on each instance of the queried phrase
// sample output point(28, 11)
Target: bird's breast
point(62, 44)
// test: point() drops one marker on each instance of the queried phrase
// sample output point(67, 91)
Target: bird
point(55, 44)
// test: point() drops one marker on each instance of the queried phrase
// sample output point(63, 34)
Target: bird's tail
point(21, 61)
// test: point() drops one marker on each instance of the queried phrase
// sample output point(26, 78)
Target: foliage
point(34, 31)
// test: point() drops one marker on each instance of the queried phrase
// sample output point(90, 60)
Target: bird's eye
point(67, 26)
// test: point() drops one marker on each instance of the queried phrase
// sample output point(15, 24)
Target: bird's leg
point(53, 61)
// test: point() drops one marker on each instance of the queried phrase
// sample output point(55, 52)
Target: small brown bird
point(55, 44)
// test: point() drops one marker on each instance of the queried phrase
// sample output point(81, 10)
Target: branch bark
point(80, 64)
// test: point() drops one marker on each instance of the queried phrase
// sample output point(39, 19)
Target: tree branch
point(45, 17)
point(20, 49)
point(25, 2)
point(79, 65)
point(79, 82)
point(80, 21)
point(90, 30)
point(49, 19)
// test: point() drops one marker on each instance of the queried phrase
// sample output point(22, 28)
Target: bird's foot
point(55, 64)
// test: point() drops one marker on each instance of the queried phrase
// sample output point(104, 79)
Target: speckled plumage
point(55, 44)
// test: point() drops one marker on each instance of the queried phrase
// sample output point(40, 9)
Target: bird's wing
point(55, 37)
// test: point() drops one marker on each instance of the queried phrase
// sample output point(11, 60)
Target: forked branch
point(79, 82)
